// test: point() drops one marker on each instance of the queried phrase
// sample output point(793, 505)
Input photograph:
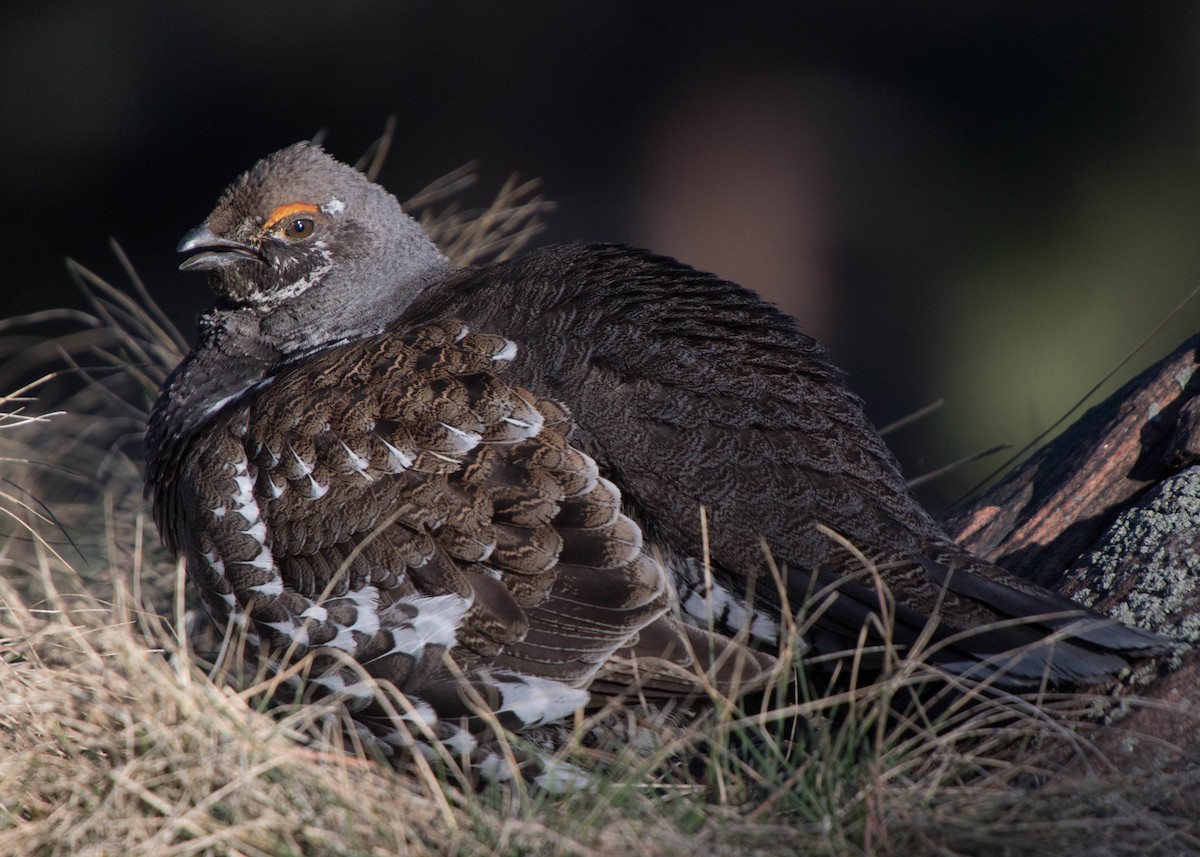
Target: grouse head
point(304, 233)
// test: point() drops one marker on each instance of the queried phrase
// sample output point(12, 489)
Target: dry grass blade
point(496, 233)
point(372, 160)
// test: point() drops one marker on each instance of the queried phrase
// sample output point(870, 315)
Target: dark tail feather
point(1031, 636)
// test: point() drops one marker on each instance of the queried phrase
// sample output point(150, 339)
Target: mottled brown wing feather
point(396, 499)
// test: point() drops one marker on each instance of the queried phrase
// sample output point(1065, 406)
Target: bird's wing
point(395, 499)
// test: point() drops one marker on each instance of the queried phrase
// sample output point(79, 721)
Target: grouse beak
point(215, 252)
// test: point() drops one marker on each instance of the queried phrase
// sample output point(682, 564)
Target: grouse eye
point(293, 221)
point(300, 228)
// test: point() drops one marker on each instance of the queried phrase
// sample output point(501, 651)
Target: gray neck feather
point(354, 300)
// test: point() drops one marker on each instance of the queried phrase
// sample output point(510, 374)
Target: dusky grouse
point(536, 485)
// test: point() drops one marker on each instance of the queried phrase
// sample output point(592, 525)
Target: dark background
point(990, 203)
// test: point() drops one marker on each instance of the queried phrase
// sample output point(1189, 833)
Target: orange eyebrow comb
point(289, 210)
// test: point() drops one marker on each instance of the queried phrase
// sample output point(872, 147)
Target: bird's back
point(731, 435)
